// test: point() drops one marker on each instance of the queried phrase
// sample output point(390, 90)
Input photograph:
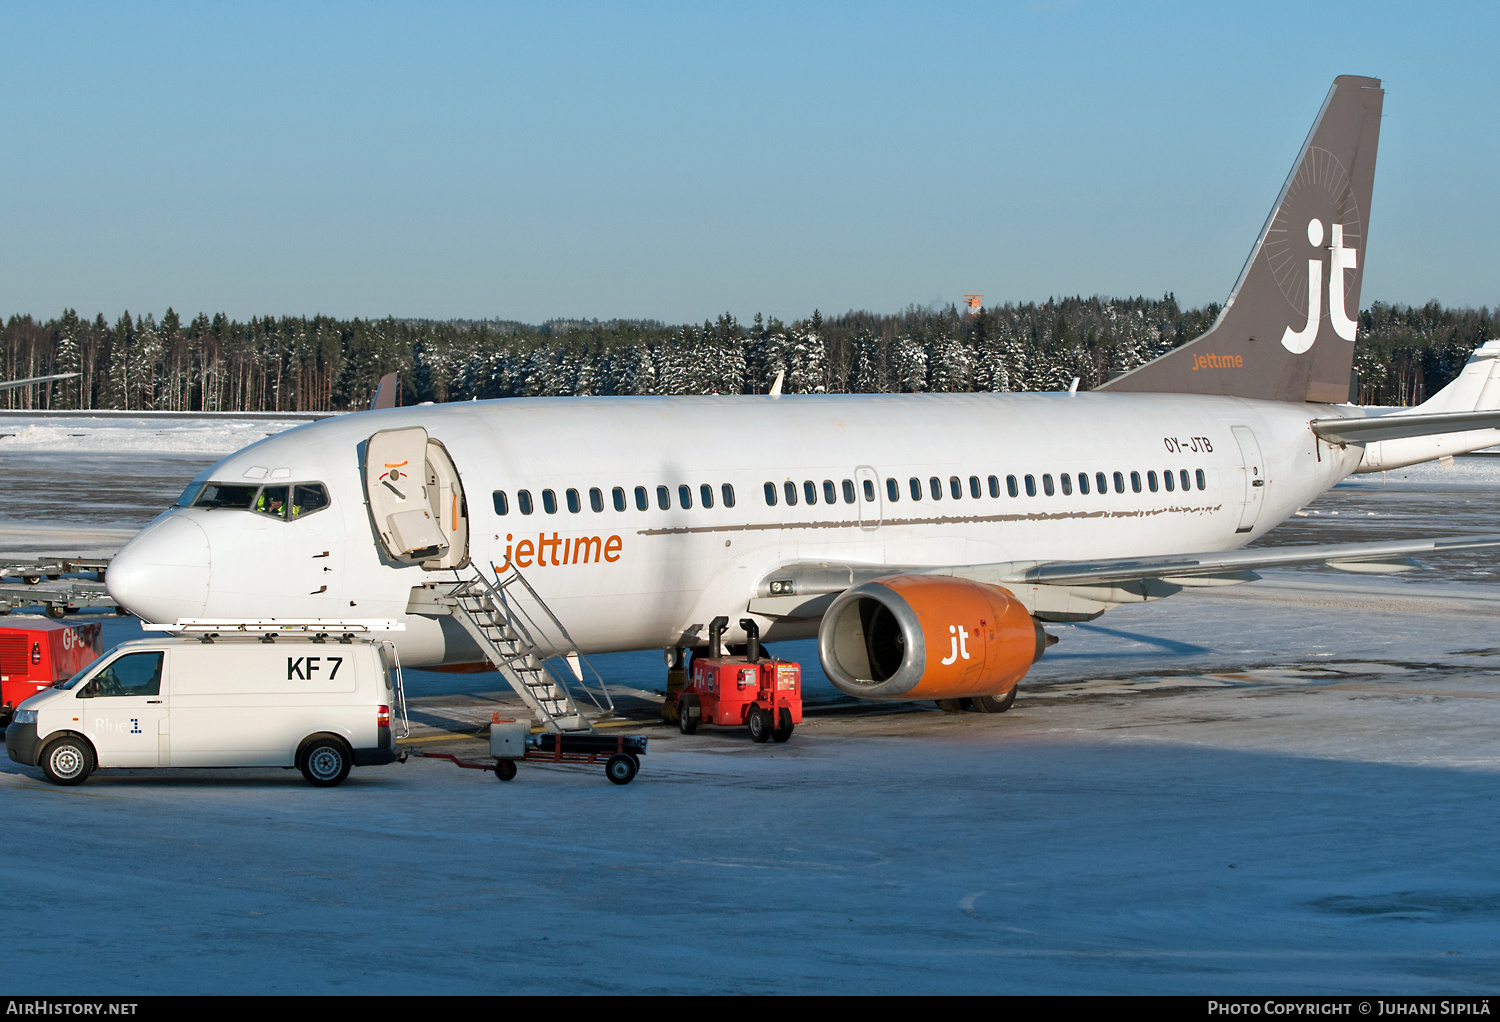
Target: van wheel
point(621, 768)
point(325, 762)
point(67, 761)
point(505, 769)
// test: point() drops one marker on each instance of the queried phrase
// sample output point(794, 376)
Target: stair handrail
point(608, 706)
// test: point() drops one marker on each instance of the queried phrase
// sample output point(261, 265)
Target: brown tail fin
point(1287, 331)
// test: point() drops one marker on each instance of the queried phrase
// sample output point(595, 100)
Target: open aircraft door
point(1255, 477)
point(416, 499)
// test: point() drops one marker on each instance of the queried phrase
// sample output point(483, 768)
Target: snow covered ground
point(1288, 786)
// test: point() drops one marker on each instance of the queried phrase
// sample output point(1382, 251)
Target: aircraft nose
point(162, 574)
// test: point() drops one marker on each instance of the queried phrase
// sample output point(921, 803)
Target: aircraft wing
point(13, 384)
point(804, 590)
point(1397, 427)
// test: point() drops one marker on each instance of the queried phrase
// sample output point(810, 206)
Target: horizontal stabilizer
point(13, 384)
point(1397, 427)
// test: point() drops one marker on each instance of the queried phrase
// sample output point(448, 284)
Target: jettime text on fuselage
point(559, 552)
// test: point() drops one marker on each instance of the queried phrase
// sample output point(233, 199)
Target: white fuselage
point(655, 577)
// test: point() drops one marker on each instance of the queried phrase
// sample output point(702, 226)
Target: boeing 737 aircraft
point(923, 538)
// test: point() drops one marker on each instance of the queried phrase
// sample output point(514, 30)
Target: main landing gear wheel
point(687, 720)
point(953, 705)
point(995, 704)
point(761, 724)
point(505, 769)
point(325, 762)
point(621, 769)
point(784, 729)
point(67, 761)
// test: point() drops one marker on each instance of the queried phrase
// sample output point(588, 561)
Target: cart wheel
point(784, 729)
point(761, 724)
point(621, 768)
point(686, 722)
point(505, 769)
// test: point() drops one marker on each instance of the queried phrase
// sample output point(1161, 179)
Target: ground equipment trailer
point(36, 653)
point(511, 742)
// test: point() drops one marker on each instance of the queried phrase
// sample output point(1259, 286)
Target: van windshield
point(82, 675)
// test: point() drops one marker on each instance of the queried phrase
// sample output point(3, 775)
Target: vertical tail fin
point(1287, 331)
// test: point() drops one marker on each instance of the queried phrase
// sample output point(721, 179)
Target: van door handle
point(153, 700)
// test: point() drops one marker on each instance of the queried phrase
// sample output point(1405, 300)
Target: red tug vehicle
point(761, 693)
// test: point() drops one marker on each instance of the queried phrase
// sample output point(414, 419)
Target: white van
point(322, 707)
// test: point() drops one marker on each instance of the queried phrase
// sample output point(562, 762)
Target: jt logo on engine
point(302, 668)
point(957, 637)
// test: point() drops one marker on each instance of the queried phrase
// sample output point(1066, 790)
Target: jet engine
point(927, 637)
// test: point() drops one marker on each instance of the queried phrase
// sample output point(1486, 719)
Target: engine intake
point(927, 637)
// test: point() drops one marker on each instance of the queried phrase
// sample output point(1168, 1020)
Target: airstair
point(519, 635)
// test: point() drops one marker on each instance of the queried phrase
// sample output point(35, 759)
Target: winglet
point(385, 396)
point(776, 387)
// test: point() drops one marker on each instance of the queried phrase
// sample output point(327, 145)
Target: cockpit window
point(217, 495)
point(282, 501)
point(272, 501)
point(307, 498)
point(188, 495)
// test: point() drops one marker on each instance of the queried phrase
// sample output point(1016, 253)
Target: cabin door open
point(416, 499)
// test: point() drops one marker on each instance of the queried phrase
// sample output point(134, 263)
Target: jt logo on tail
point(1298, 341)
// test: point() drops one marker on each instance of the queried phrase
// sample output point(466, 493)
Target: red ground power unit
point(764, 695)
point(40, 652)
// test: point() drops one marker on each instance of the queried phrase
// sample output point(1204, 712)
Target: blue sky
point(674, 161)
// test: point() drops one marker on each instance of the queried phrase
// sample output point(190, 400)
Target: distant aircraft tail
point(1287, 331)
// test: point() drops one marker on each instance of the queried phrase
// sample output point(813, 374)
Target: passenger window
point(502, 506)
point(830, 492)
point(1067, 484)
point(1185, 484)
point(789, 489)
point(619, 494)
point(134, 674)
point(974, 487)
point(574, 504)
point(1201, 484)
point(916, 488)
point(523, 501)
point(1135, 482)
point(936, 485)
point(893, 490)
point(1101, 483)
point(956, 487)
point(706, 495)
point(1168, 481)
point(641, 502)
point(869, 488)
point(1010, 486)
point(596, 499)
point(685, 496)
point(849, 491)
point(272, 501)
point(1119, 483)
point(727, 490)
point(770, 494)
point(994, 486)
point(1151, 480)
point(217, 495)
point(810, 491)
point(307, 498)
point(1083, 483)
point(549, 502)
point(664, 498)
point(1031, 486)
point(1047, 484)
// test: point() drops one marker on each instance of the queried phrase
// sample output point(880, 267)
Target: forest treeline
point(1402, 354)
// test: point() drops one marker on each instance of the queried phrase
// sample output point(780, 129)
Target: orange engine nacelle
point(927, 637)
